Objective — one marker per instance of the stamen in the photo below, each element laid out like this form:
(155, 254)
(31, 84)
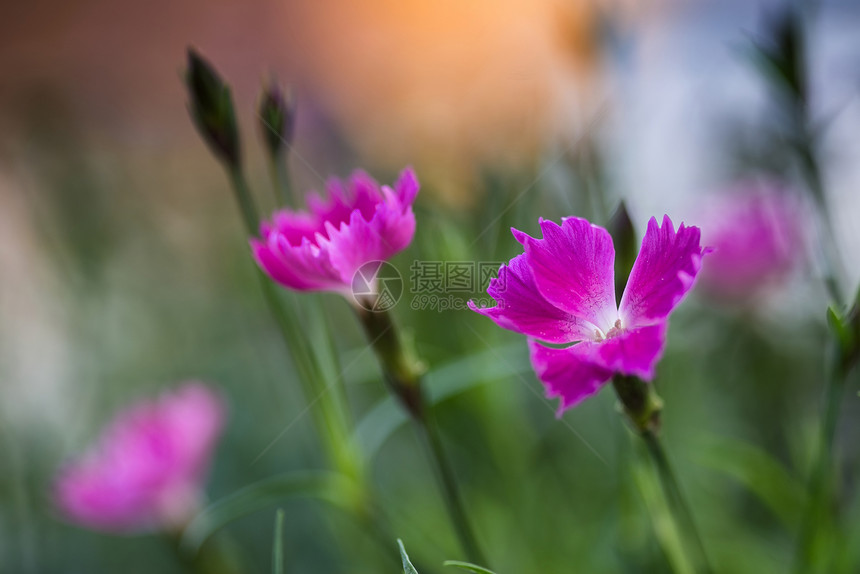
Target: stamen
(616, 330)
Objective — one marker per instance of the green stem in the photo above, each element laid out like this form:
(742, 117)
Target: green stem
(280, 173)
(677, 501)
(402, 373)
(245, 201)
(429, 435)
(828, 244)
(643, 408)
(818, 517)
(325, 401)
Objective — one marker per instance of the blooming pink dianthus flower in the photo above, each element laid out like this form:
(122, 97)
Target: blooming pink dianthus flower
(562, 291)
(147, 469)
(323, 248)
(757, 234)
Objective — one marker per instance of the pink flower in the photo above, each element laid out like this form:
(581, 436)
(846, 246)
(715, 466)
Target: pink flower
(147, 469)
(757, 236)
(561, 290)
(322, 249)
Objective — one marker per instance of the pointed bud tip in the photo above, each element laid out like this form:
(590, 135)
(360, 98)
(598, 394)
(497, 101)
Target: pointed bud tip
(211, 107)
(277, 114)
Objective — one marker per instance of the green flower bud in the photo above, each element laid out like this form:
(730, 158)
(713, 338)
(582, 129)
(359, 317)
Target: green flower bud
(277, 115)
(211, 108)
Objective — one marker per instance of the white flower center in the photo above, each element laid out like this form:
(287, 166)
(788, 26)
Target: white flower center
(616, 330)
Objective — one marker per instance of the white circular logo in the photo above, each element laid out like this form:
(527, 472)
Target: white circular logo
(377, 286)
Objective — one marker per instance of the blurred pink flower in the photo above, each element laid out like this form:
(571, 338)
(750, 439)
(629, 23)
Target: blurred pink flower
(322, 249)
(147, 469)
(757, 234)
(562, 290)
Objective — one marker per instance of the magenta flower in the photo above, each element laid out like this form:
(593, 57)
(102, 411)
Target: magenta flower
(146, 471)
(322, 249)
(757, 234)
(561, 290)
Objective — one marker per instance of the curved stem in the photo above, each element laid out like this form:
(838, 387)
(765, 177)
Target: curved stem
(676, 499)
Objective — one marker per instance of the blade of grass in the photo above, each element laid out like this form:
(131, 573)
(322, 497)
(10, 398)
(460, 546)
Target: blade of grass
(467, 566)
(408, 568)
(278, 544)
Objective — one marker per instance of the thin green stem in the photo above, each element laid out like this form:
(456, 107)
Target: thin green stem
(402, 373)
(818, 517)
(677, 501)
(281, 181)
(827, 238)
(245, 201)
(447, 479)
(643, 408)
(325, 401)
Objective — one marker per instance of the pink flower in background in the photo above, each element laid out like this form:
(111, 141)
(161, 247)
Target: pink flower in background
(562, 290)
(322, 249)
(757, 234)
(147, 469)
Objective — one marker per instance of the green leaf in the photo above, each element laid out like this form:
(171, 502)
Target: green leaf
(408, 568)
(442, 383)
(467, 566)
(763, 475)
(330, 487)
(278, 545)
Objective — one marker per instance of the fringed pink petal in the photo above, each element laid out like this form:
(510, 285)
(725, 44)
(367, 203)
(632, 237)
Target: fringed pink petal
(359, 223)
(521, 308)
(572, 374)
(663, 273)
(573, 267)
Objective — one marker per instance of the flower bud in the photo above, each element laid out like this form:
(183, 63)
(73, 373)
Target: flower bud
(781, 56)
(624, 238)
(211, 108)
(277, 114)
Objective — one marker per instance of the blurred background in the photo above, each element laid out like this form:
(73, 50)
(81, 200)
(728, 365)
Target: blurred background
(124, 267)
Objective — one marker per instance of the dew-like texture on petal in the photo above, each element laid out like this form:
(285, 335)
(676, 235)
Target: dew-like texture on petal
(573, 267)
(571, 374)
(663, 273)
(633, 352)
(323, 248)
(147, 469)
(521, 308)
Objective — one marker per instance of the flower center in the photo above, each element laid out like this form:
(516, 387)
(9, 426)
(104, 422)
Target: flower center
(616, 330)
